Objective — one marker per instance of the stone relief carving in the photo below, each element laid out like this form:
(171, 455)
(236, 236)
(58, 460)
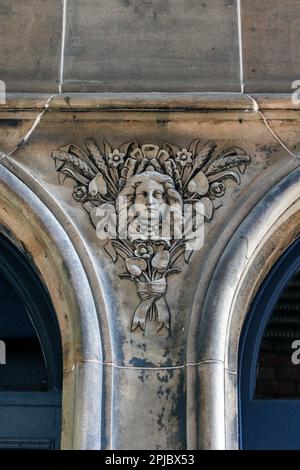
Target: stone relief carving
(146, 201)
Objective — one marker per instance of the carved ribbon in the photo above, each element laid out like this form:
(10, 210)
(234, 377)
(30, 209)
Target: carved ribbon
(151, 293)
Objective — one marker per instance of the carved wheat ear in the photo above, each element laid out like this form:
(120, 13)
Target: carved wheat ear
(202, 155)
(76, 162)
(101, 165)
(78, 152)
(227, 160)
(96, 155)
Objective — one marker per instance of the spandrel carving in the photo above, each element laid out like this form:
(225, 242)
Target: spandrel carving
(149, 205)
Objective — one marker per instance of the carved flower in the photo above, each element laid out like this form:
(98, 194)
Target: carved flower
(116, 158)
(184, 157)
(80, 193)
(217, 189)
(143, 250)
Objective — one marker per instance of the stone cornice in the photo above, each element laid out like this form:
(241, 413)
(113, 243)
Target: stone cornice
(148, 102)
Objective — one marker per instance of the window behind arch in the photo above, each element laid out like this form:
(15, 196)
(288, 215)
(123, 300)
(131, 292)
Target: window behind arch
(25, 368)
(268, 375)
(278, 370)
(31, 377)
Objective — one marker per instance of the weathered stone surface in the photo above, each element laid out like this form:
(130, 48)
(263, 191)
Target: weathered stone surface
(30, 39)
(270, 227)
(35, 230)
(161, 45)
(154, 414)
(270, 38)
(140, 367)
(210, 406)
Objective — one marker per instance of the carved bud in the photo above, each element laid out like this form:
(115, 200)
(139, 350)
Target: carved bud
(199, 184)
(97, 185)
(135, 266)
(161, 260)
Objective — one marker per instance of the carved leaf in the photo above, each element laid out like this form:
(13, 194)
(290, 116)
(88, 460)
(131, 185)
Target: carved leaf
(111, 251)
(67, 172)
(162, 156)
(173, 271)
(137, 154)
(135, 266)
(98, 185)
(125, 276)
(161, 260)
(171, 149)
(187, 255)
(124, 148)
(203, 154)
(194, 145)
(107, 148)
(208, 207)
(225, 174)
(74, 150)
(242, 168)
(207, 148)
(199, 184)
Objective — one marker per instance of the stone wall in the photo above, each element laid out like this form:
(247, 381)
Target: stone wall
(149, 45)
(171, 78)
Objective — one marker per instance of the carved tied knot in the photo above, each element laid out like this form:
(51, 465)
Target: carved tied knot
(152, 295)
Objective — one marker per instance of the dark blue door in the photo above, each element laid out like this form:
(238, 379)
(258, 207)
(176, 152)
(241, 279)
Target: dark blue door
(31, 357)
(269, 375)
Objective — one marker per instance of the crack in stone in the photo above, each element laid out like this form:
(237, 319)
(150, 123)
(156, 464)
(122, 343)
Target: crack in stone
(181, 366)
(25, 139)
(257, 109)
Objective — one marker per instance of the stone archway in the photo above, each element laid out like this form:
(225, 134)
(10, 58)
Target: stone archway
(267, 231)
(36, 231)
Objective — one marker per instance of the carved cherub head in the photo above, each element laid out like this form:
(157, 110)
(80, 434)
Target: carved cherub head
(153, 191)
(153, 196)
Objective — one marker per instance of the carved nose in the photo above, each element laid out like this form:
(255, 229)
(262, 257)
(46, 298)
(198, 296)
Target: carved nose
(149, 200)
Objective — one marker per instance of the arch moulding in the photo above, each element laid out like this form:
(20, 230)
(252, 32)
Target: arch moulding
(32, 227)
(265, 233)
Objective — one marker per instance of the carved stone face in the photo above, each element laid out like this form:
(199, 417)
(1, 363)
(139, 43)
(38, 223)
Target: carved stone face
(150, 199)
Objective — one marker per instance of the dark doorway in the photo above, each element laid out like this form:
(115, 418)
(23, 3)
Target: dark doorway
(31, 357)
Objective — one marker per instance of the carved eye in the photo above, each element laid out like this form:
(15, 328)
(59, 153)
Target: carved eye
(157, 194)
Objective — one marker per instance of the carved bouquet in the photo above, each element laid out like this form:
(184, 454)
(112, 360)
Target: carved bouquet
(136, 197)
